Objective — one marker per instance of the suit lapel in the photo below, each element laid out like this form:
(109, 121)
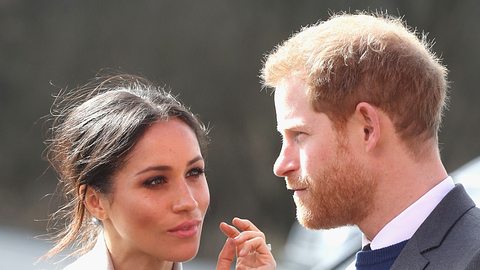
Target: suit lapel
(432, 232)
(410, 258)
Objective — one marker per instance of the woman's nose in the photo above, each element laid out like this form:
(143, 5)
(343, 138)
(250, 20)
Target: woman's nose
(185, 200)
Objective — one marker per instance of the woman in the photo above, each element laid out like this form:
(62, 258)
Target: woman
(130, 159)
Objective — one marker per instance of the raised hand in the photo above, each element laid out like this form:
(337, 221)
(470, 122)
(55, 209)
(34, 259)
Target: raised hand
(247, 243)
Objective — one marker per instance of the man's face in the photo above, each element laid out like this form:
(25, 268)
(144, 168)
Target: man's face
(331, 187)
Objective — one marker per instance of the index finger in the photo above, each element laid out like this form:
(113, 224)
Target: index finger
(229, 230)
(244, 224)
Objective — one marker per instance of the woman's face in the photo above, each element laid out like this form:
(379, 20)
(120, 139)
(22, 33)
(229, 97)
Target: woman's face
(159, 196)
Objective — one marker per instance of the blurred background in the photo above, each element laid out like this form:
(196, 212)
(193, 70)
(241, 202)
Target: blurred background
(210, 53)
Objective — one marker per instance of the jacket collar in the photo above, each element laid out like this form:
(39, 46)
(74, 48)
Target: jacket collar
(455, 204)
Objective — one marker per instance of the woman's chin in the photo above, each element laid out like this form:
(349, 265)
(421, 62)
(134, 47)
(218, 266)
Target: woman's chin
(185, 254)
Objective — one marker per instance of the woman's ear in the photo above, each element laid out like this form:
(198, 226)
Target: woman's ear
(96, 203)
(369, 118)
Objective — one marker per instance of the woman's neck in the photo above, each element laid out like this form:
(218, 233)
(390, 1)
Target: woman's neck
(141, 264)
(124, 258)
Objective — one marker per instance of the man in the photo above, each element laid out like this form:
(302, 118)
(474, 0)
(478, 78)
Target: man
(359, 100)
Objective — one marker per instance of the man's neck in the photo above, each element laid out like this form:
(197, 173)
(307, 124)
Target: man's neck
(402, 182)
(404, 225)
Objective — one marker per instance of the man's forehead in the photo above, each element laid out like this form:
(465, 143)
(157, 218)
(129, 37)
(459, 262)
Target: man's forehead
(292, 113)
(290, 98)
(289, 87)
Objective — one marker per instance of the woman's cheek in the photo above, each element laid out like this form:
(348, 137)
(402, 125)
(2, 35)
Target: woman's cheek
(205, 193)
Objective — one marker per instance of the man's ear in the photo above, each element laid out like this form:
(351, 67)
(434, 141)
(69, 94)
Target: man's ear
(95, 202)
(369, 119)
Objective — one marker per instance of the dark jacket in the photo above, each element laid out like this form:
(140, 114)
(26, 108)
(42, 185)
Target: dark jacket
(448, 239)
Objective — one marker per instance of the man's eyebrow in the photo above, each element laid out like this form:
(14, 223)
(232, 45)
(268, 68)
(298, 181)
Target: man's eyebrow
(292, 125)
(166, 167)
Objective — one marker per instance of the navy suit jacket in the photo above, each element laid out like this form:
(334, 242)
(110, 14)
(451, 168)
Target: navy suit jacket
(448, 239)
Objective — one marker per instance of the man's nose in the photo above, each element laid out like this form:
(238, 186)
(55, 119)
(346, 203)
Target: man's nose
(286, 162)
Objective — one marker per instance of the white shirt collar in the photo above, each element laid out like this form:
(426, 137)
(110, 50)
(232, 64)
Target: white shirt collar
(403, 226)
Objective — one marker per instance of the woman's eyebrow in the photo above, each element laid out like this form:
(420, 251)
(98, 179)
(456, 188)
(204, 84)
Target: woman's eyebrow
(197, 158)
(166, 167)
(155, 168)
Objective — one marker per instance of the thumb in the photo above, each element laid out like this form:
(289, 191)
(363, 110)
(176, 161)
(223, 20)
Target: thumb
(227, 255)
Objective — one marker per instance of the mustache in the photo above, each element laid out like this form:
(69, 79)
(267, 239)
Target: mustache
(293, 181)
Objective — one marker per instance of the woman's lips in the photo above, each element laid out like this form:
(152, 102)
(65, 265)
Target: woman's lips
(186, 229)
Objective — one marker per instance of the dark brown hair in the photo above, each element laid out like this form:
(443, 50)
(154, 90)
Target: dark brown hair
(94, 129)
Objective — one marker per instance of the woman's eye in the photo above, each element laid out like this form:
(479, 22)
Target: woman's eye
(155, 181)
(195, 172)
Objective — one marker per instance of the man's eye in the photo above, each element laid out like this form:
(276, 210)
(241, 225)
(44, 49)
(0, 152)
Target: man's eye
(195, 172)
(298, 136)
(155, 181)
